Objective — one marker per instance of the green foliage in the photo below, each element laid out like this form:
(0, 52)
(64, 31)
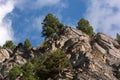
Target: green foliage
(28, 72)
(118, 38)
(84, 26)
(15, 71)
(47, 65)
(27, 44)
(9, 44)
(51, 64)
(50, 25)
(45, 45)
(20, 45)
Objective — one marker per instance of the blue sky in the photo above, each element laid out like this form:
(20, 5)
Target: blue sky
(21, 19)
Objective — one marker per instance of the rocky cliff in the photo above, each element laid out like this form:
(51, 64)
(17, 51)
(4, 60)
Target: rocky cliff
(96, 58)
(93, 59)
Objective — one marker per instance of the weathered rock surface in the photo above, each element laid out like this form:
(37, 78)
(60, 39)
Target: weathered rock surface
(19, 57)
(96, 59)
(4, 54)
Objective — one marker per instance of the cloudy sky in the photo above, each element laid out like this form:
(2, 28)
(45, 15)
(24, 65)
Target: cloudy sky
(21, 19)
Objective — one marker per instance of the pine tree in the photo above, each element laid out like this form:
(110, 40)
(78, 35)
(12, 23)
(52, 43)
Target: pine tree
(27, 44)
(9, 44)
(118, 38)
(50, 25)
(84, 26)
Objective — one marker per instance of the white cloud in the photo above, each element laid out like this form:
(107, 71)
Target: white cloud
(57, 5)
(7, 6)
(36, 4)
(104, 16)
(41, 3)
(6, 32)
(37, 23)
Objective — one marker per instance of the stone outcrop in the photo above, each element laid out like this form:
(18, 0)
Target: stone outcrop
(9, 58)
(93, 59)
(4, 54)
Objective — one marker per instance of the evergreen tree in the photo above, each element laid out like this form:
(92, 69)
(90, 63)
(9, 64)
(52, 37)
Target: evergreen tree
(27, 44)
(9, 44)
(20, 45)
(118, 38)
(53, 63)
(42, 67)
(84, 26)
(14, 72)
(50, 25)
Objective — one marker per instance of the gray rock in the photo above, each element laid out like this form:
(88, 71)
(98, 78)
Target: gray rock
(20, 60)
(4, 54)
(20, 57)
(92, 60)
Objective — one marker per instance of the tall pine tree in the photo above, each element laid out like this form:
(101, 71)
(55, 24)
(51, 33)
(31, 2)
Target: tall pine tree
(10, 45)
(84, 26)
(118, 38)
(27, 44)
(50, 25)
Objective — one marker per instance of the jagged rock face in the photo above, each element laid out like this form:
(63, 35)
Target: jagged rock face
(106, 55)
(19, 57)
(4, 54)
(71, 38)
(110, 48)
(92, 59)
